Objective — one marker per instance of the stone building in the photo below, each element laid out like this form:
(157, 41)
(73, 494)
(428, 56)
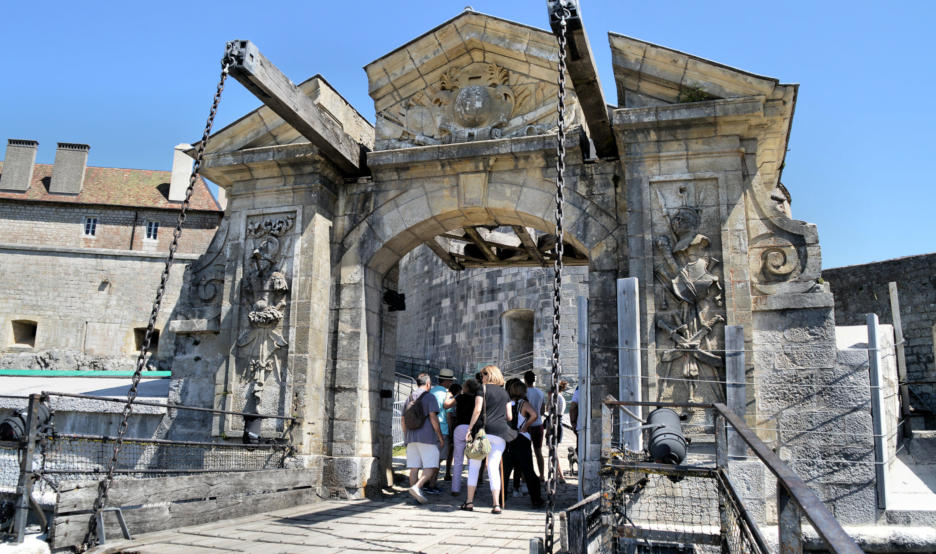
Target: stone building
(863, 289)
(678, 185)
(81, 255)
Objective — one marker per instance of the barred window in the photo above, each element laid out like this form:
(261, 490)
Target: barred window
(90, 226)
(152, 229)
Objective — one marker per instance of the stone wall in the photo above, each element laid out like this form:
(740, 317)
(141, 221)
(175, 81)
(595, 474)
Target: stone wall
(117, 228)
(87, 295)
(85, 303)
(455, 318)
(862, 289)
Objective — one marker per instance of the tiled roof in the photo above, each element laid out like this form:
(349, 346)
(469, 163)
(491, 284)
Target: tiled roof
(111, 186)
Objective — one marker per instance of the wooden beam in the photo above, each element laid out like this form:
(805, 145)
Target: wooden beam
(471, 263)
(527, 241)
(253, 70)
(584, 75)
(444, 254)
(481, 243)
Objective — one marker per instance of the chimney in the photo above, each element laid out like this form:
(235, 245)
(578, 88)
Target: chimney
(71, 160)
(181, 172)
(18, 165)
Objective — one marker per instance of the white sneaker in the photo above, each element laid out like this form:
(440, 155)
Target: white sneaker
(417, 494)
(516, 494)
(523, 489)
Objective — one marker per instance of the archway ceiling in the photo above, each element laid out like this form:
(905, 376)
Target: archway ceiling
(501, 246)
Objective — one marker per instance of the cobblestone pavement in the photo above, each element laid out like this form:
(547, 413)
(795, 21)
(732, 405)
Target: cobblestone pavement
(393, 523)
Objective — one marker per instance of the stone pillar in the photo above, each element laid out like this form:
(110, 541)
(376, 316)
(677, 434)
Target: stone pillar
(254, 329)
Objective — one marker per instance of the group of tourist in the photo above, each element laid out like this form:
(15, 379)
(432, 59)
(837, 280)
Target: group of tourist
(440, 421)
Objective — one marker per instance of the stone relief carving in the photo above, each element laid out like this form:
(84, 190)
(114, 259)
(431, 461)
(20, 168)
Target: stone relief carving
(477, 102)
(265, 290)
(200, 310)
(689, 304)
(784, 252)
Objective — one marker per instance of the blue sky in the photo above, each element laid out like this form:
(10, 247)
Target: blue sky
(132, 79)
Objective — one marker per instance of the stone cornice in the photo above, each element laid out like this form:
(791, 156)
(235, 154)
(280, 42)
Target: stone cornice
(281, 161)
(508, 147)
(94, 251)
(751, 107)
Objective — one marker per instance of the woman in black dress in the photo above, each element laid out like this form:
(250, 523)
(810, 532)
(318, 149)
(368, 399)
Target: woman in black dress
(519, 454)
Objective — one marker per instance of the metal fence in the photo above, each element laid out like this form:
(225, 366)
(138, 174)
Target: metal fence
(33, 467)
(395, 424)
(713, 501)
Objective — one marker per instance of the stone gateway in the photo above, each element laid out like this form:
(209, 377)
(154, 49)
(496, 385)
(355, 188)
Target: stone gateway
(678, 185)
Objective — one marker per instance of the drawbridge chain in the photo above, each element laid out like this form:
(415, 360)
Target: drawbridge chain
(563, 14)
(100, 502)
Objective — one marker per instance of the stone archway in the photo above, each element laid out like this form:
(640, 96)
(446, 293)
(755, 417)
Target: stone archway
(424, 208)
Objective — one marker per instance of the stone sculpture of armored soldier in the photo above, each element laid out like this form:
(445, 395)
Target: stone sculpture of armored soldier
(693, 295)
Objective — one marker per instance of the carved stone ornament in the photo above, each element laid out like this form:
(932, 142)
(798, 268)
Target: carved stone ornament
(784, 252)
(477, 102)
(199, 310)
(265, 289)
(689, 305)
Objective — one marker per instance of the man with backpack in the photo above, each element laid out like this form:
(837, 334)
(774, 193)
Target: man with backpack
(423, 436)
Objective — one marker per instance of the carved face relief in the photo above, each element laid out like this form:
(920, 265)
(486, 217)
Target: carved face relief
(684, 221)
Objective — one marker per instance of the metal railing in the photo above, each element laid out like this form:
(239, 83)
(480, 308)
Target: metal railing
(645, 505)
(397, 430)
(43, 458)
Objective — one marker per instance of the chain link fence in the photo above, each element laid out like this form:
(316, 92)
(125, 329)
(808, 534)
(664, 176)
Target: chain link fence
(40, 458)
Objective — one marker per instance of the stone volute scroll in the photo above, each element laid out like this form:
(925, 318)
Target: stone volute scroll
(199, 310)
(264, 299)
(689, 301)
(784, 252)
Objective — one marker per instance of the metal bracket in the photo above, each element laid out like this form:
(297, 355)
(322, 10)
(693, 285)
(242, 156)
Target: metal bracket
(102, 537)
(573, 21)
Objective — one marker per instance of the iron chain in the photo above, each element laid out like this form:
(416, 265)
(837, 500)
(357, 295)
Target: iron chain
(104, 486)
(556, 418)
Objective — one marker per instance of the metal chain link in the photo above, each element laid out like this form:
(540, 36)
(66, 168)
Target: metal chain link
(556, 418)
(104, 486)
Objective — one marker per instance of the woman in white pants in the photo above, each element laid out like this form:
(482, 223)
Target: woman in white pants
(464, 408)
(495, 402)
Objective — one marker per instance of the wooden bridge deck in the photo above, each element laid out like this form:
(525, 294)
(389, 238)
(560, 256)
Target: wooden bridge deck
(392, 523)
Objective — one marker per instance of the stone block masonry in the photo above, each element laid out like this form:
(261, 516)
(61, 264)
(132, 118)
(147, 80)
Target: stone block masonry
(459, 320)
(29, 223)
(863, 289)
(85, 306)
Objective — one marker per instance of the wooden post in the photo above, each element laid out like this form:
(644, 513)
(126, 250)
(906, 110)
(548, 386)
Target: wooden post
(735, 386)
(901, 359)
(584, 376)
(24, 486)
(629, 382)
(789, 517)
(877, 410)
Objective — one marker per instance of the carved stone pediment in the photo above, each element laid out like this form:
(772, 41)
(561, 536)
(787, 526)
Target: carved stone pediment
(473, 78)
